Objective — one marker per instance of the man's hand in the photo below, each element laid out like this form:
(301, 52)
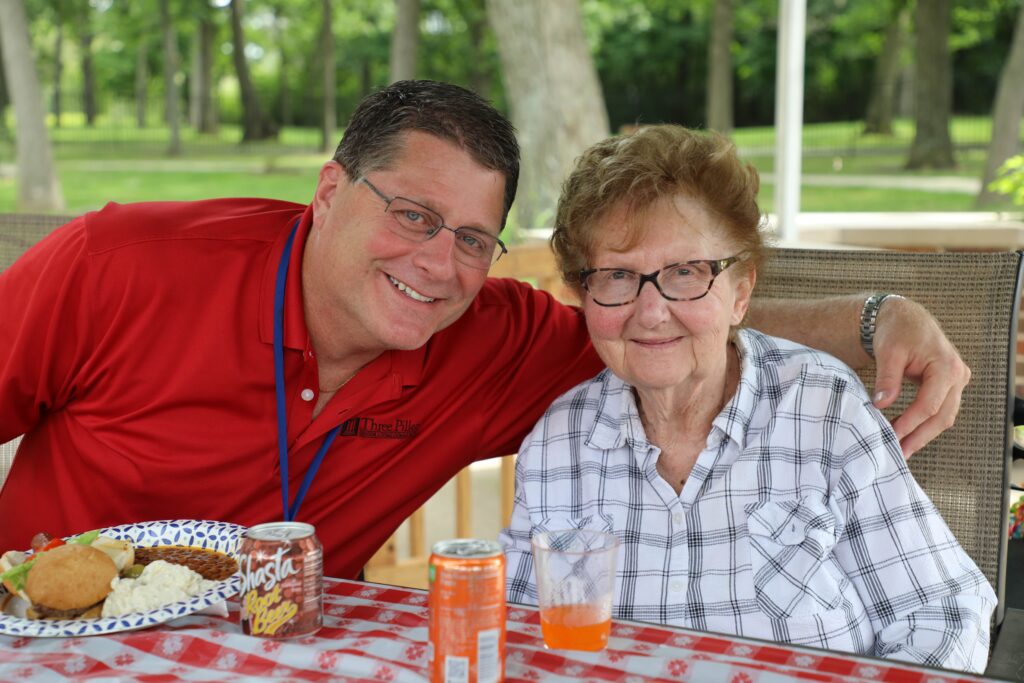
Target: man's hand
(909, 343)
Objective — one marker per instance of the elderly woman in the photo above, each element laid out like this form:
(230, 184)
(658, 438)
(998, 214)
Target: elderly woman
(753, 486)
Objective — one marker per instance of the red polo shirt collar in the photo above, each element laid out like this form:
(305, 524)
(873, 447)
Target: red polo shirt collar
(381, 380)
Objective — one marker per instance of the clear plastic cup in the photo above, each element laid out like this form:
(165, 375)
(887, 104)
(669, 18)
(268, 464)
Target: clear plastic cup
(575, 570)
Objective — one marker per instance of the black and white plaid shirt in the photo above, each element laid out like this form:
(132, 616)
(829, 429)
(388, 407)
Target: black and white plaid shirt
(800, 521)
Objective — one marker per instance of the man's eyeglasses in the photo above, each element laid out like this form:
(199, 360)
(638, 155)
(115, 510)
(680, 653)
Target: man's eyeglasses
(677, 282)
(417, 223)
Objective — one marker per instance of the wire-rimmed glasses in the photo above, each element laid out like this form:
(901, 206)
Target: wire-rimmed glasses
(417, 223)
(684, 281)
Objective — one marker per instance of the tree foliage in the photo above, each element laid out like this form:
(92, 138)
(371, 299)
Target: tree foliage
(1010, 181)
(651, 55)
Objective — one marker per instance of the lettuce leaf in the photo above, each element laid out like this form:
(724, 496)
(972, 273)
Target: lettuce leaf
(86, 538)
(16, 575)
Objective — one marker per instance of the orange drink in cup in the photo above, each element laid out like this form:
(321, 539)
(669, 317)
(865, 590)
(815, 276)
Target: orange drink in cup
(575, 570)
(575, 627)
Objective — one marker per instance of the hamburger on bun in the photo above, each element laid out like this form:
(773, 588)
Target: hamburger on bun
(69, 582)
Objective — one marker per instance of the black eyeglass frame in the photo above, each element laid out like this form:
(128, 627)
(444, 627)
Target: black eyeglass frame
(442, 225)
(716, 265)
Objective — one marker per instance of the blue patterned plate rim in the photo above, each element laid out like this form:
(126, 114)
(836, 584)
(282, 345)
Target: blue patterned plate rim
(222, 536)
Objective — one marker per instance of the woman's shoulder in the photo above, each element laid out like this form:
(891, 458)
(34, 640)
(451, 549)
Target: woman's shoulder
(589, 396)
(783, 362)
(575, 412)
(814, 388)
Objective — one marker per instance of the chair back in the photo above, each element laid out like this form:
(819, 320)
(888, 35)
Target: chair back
(975, 298)
(18, 232)
(534, 263)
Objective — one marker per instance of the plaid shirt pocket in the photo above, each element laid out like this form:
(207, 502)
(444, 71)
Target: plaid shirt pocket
(791, 543)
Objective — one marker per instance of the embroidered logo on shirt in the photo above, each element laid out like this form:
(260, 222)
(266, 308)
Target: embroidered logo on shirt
(371, 428)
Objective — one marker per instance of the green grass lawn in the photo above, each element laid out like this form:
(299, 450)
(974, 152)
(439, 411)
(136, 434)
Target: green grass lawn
(90, 189)
(970, 164)
(97, 166)
(857, 198)
(965, 130)
(86, 189)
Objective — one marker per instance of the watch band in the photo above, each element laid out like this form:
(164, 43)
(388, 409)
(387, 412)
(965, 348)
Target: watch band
(868, 318)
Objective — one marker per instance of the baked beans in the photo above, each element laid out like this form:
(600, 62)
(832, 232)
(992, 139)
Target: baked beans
(210, 564)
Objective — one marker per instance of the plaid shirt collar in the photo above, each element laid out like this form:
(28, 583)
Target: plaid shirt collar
(618, 418)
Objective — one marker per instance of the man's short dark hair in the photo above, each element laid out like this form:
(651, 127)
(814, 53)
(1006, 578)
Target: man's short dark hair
(373, 136)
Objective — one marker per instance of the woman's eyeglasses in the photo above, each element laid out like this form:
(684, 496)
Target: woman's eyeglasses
(677, 282)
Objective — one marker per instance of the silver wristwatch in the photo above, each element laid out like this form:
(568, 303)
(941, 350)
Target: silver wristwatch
(868, 316)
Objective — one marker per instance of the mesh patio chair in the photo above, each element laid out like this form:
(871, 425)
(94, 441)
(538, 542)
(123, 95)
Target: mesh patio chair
(18, 232)
(975, 297)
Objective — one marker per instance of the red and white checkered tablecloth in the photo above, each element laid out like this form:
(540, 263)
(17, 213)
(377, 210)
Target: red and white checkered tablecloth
(374, 632)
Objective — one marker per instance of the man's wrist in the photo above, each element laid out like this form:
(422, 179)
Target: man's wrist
(869, 319)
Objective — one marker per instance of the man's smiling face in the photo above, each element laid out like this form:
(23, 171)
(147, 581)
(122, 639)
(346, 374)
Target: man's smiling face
(371, 289)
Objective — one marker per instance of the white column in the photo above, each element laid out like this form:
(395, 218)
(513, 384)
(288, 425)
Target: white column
(789, 110)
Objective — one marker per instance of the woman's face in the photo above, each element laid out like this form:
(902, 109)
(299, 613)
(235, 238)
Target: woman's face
(653, 343)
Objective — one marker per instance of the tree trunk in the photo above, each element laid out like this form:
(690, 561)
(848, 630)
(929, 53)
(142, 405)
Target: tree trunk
(254, 124)
(905, 86)
(141, 81)
(38, 186)
(719, 104)
(405, 40)
(171, 95)
(206, 112)
(85, 36)
(58, 71)
(933, 88)
(328, 128)
(1006, 114)
(881, 102)
(365, 78)
(4, 97)
(475, 16)
(194, 82)
(284, 90)
(284, 96)
(554, 95)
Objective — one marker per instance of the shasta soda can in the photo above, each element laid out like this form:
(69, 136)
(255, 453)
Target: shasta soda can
(282, 566)
(467, 611)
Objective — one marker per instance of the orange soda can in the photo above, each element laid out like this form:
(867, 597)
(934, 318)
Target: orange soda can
(467, 611)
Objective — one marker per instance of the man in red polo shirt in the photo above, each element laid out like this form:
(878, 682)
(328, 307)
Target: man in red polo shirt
(251, 360)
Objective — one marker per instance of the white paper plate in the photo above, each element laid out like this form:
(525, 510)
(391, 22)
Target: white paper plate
(222, 536)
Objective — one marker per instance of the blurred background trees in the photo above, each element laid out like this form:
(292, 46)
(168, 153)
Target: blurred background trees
(553, 95)
(38, 186)
(1007, 112)
(290, 72)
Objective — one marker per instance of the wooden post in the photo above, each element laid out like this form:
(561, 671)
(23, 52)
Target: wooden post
(417, 534)
(508, 488)
(463, 504)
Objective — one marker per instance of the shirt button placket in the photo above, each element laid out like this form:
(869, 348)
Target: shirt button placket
(678, 551)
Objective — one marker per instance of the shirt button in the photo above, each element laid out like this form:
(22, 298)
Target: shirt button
(677, 518)
(676, 586)
(307, 394)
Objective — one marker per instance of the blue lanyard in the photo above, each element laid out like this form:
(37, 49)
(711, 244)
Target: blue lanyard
(292, 512)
